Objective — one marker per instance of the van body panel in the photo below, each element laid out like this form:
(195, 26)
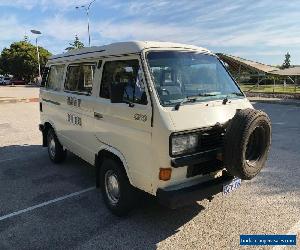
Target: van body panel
(199, 115)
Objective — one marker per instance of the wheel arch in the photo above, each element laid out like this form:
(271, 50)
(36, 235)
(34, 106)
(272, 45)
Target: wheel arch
(112, 153)
(46, 126)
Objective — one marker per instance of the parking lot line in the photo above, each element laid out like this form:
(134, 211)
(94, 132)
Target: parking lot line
(45, 203)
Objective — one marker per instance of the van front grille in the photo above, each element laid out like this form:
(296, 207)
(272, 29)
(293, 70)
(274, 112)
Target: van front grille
(211, 138)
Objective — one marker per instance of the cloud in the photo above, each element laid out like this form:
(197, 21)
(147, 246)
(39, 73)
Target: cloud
(9, 34)
(62, 5)
(265, 26)
(62, 28)
(138, 30)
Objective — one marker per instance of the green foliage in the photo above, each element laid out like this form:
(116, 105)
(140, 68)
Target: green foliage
(287, 61)
(20, 60)
(77, 44)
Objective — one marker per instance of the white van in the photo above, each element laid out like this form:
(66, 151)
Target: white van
(160, 117)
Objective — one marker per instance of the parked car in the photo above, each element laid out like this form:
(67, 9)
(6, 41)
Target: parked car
(16, 81)
(5, 80)
(164, 118)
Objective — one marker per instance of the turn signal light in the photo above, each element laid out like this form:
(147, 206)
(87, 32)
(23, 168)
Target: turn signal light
(165, 174)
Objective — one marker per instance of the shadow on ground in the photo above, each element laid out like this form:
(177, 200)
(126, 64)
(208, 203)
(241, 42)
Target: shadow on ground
(27, 178)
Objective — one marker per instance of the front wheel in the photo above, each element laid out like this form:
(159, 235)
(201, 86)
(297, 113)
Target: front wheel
(118, 194)
(56, 152)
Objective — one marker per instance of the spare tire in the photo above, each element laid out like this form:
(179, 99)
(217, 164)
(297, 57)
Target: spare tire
(246, 143)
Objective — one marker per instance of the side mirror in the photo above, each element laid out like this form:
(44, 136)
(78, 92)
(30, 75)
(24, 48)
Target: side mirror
(117, 92)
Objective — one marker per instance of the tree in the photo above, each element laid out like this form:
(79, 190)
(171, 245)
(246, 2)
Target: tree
(287, 61)
(20, 60)
(77, 44)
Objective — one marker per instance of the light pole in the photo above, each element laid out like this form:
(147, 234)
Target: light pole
(37, 32)
(87, 10)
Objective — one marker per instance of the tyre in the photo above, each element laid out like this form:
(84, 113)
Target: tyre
(246, 143)
(118, 194)
(56, 151)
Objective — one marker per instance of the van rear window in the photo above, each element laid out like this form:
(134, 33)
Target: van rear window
(55, 77)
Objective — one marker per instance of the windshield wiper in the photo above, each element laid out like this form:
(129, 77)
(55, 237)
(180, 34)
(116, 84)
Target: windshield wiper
(186, 100)
(194, 98)
(225, 100)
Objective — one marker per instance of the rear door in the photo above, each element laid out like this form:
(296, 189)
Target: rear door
(52, 99)
(79, 108)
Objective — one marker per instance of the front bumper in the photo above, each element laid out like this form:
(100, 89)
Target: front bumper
(187, 195)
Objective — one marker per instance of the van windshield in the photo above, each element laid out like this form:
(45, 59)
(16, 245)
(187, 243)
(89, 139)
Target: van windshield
(178, 76)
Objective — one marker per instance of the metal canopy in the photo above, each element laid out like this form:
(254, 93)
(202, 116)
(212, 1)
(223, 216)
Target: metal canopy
(235, 61)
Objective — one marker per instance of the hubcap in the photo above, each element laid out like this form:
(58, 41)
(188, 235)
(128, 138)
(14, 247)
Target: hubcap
(52, 147)
(112, 187)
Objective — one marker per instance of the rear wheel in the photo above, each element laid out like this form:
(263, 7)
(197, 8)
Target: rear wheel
(56, 152)
(118, 194)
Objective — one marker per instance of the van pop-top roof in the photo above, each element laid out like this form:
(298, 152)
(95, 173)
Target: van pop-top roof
(121, 48)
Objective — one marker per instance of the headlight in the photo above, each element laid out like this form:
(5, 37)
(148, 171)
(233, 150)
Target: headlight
(181, 144)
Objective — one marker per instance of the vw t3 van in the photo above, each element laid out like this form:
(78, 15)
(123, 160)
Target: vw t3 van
(164, 118)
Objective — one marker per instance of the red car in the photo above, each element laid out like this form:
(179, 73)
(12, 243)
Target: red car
(17, 82)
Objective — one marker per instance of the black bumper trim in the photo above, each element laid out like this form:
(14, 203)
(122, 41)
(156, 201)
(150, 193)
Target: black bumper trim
(196, 158)
(187, 195)
(41, 127)
(50, 101)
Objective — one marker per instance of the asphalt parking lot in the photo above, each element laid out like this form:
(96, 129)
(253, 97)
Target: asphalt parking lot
(268, 204)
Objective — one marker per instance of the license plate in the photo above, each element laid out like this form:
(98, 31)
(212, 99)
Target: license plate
(233, 185)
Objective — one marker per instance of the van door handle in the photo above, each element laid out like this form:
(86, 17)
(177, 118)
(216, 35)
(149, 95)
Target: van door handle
(98, 116)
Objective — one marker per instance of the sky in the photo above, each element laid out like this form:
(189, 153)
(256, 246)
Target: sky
(262, 30)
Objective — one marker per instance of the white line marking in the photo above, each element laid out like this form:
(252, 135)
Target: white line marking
(45, 203)
(295, 230)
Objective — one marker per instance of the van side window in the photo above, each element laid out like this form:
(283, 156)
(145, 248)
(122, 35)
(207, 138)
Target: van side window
(55, 77)
(128, 75)
(80, 78)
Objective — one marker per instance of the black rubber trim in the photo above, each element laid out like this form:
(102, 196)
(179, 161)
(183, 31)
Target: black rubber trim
(79, 54)
(184, 196)
(50, 101)
(147, 83)
(97, 170)
(41, 127)
(195, 158)
(77, 92)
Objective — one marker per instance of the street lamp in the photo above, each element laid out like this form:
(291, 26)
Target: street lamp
(37, 32)
(87, 10)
